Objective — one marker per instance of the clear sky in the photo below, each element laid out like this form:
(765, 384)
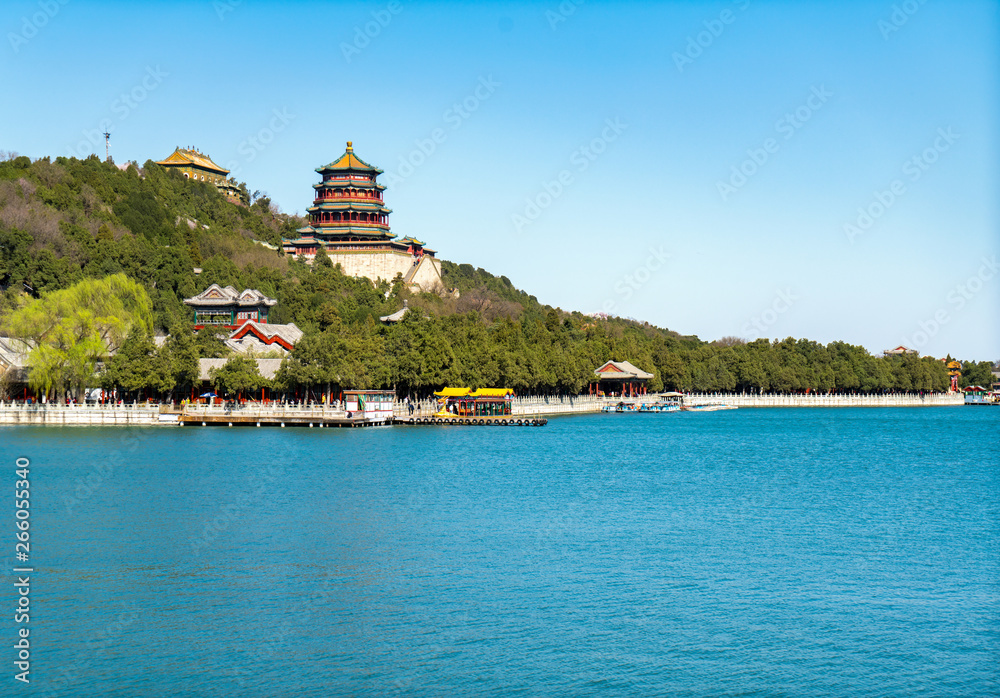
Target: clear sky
(827, 170)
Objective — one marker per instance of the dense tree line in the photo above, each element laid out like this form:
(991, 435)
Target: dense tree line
(71, 220)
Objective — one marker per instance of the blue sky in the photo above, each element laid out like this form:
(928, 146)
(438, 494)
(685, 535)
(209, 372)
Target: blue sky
(758, 169)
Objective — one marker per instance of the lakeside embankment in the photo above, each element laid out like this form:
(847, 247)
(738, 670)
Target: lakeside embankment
(582, 404)
(79, 415)
(832, 400)
(153, 415)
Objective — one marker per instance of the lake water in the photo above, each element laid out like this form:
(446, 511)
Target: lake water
(799, 552)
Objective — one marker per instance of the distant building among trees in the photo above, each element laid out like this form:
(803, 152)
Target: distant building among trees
(225, 307)
(199, 167)
(245, 313)
(621, 378)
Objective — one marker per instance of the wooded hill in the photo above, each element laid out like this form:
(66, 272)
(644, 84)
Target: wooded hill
(67, 220)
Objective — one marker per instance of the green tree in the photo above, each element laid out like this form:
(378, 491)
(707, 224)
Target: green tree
(210, 343)
(182, 352)
(420, 355)
(74, 328)
(239, 374)
(980, 374)
(322, 258)
(138, 365)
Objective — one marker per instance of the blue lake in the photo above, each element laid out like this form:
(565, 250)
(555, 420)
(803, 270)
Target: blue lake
(799, 552)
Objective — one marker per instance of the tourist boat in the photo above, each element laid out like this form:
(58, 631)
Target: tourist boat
(659, 407)
(666, 402)
(621, 407)
(713, 407)
(475, 407)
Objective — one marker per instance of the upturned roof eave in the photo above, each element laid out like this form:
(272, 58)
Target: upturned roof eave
(183, 158)
(330, 184)
(220, 302)
(349, 207)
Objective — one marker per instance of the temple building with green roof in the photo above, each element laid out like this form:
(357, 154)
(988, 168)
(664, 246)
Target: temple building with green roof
(349, 221)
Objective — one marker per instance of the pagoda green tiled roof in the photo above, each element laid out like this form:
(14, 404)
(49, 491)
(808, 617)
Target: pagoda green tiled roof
(349, 161)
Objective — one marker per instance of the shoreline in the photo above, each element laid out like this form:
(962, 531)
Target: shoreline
(165, 415)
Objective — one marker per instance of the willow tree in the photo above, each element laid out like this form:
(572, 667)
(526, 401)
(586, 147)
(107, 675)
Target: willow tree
(75, 328)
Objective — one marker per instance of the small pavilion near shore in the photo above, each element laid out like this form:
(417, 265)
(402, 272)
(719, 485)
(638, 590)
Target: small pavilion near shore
(620, 379)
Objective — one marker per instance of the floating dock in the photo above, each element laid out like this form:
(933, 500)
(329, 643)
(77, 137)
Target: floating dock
(238, 420)
(276, 417)
(499, 421)
(276, 421)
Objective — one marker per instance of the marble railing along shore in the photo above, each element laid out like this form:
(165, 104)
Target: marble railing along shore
(76, 415)
(825, 400)
(143, 414)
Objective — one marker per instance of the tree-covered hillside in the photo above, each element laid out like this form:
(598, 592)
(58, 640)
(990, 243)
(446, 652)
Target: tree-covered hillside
(67, 220)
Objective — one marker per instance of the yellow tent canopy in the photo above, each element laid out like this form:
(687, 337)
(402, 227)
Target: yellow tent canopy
(492, 392)
(453, 392)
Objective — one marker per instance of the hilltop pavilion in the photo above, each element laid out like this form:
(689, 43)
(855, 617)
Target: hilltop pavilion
(197, 166)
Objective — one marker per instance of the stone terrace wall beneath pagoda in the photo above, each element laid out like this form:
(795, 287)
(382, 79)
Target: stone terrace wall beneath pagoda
(428, 275)
(386, 264)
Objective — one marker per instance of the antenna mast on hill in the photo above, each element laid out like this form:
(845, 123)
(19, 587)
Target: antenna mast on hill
(107, 146)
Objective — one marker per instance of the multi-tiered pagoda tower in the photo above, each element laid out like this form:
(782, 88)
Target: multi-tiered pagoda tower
(349, 221)
(348, 204)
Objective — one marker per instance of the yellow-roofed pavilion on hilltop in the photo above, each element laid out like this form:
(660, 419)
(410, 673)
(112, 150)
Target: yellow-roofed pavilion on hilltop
(199, 167)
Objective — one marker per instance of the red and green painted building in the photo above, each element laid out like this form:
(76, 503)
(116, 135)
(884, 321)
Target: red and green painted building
(226, 307)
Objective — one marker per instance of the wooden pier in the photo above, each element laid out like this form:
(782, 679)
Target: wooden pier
(275, 416)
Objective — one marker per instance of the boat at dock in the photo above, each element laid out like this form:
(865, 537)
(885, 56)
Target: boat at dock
(664, 402)
(713, 407)
(659, 407)
(481, 407)
(977, 395)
